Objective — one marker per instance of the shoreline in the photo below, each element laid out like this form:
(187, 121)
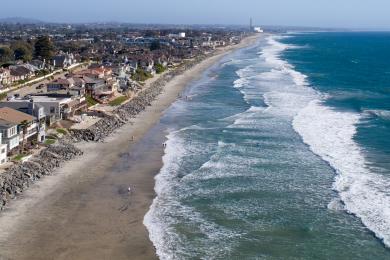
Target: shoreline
(84, 211)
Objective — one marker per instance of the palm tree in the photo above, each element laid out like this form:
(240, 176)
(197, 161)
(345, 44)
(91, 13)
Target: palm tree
(24, 124)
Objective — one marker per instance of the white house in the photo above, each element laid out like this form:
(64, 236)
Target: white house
(9, 133)
(33, 129)
(64, 60)
(3, 151)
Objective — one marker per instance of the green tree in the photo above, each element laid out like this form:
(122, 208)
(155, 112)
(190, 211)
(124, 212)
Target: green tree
(159, 68)
(96, 39)
(5, 54)
(44, 48)
(151, 33)
(22, 51)
(156, 45)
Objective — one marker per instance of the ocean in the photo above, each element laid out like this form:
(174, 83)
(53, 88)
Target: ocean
(280, 151)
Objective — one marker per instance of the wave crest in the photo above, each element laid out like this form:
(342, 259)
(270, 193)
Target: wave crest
(330, 134)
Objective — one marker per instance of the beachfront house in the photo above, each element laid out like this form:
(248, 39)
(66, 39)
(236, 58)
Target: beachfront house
(133, 65)
(29, 128)
(93, 85)
(3, 151)
(9, 134)
(96, 71)
(26, 106)
(59, 106)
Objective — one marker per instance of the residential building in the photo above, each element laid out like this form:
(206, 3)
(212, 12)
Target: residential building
(64, 60)
(19, 72)
(29, 128)
(96, 72)
(26, 106)
(60, 106)
(9, 133)
(41, 65)
(3, 151)
(59, 84)
(5, 77)
(74, 86)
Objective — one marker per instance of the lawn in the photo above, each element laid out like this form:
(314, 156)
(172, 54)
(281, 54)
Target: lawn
(118, 101)
(19, 157)
(62, 131)
(90, 101)
(49, 141)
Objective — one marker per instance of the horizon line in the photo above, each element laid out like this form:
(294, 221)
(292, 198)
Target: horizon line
(37, 21)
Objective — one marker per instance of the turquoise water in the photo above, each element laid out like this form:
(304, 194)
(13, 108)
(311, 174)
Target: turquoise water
(274, 156)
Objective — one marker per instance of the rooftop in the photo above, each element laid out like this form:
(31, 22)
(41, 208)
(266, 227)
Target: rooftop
(14, 116)
(6, 124)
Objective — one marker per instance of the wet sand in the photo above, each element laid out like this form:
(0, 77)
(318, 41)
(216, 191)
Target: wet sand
(84, 210)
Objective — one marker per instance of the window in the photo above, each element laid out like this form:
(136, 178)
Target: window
(52, 110)
(12, 131)
(3, 150)
(3, 161)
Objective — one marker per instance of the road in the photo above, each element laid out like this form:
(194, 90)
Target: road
(23, 91)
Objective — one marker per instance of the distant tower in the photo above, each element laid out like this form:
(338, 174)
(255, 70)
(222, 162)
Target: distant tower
(251, 24)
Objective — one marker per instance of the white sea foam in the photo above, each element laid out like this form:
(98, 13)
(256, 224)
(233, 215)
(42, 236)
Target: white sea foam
(287, 103)
(336, 205)
(249, 118)
(192, 127)
(330, 135)
(241, 82)
(245, 72)
(271, 55)
(158, 229)
(384, 114)
(159, 220)
(238, 116)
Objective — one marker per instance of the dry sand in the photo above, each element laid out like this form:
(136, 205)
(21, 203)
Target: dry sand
(84, 210)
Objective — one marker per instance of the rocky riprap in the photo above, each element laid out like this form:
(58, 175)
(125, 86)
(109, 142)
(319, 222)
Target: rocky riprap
(124, 113)
(19, 177)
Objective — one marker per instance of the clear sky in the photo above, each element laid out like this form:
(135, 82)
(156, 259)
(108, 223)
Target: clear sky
(320, 13)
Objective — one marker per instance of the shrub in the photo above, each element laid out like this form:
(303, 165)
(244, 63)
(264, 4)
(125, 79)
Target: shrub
(160, 68)
(62, 131)
(3, 96)
(141, 75)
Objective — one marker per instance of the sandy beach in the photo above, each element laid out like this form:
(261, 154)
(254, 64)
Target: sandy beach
(84, 211)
